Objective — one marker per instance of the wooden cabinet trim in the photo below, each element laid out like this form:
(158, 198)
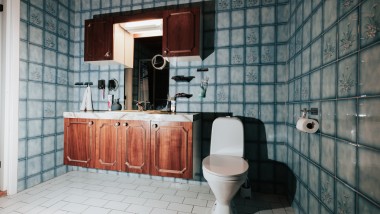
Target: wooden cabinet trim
(185, 160)
(99, 142)
(88, 143)
(144, 150)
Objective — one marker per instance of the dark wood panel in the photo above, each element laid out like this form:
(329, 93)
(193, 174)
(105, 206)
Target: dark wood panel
(108, 145)
(171, 152)
(181, 32)
(79, 137)
(98, 43)
(135, 146)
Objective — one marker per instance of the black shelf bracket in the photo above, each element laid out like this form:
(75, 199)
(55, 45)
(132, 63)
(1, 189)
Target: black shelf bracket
(1, 8)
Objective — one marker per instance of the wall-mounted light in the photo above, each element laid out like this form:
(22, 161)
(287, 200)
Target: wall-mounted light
(152, 27)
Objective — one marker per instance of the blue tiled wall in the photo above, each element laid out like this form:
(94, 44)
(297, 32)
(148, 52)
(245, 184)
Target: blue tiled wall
(334, 65)
(270, 59)
(44, 89)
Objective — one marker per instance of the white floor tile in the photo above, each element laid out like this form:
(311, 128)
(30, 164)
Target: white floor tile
(166, 191)
(86, 192)
(200, 189)
(163, 211)
(160, 184)
(197, 202)
(172, 198)
(130, 192)
(115, 205)
(135, 200)
(139, 209)
(96, 210)
(75, 198)
(114, 197)
(157, 203)
(180, 207)
(54, 208)
(95, 202)
(201, 210)
(149, 195)
(113, 190)
(146, 188)
(206, 196)
(75, 208)
(187, 194)
(94, 194)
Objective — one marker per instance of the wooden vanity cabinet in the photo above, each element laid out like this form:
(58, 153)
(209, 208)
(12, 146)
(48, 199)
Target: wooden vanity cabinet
(135, 146)
(79, 140)
(108, 145)
(172, 149)
(182, 33)
(138, 146)
(122, 145)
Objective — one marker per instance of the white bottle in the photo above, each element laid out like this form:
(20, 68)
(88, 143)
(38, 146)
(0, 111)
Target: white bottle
(173, 104)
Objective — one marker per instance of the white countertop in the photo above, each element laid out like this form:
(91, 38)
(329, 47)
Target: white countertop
(134, 115)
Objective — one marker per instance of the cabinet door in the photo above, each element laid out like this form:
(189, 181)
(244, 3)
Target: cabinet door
(135, 146)
(108, 145)
(181, 32)
(171, 149)
(79, 139)
(98, 43)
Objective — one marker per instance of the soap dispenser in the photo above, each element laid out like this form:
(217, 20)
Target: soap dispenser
(116, 106)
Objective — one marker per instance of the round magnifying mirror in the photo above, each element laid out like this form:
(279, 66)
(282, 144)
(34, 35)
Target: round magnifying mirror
(158, 62)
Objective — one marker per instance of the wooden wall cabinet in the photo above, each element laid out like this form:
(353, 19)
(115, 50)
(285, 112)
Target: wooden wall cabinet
(182, 33)
(79, 140)
(107, 43)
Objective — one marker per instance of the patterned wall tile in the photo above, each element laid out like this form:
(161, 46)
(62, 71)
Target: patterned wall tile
(348, 34)
(369, 172)
(347, 78)
(370, 22)
(366, 207)
(368, 122)
(327, 190)
(346, 162)
(369, 67)
(329, 81)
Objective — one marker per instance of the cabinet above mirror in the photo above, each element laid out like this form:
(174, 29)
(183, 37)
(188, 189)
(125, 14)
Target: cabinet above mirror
(109, 38)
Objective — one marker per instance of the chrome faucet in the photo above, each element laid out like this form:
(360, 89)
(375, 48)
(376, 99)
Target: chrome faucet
(141, 105)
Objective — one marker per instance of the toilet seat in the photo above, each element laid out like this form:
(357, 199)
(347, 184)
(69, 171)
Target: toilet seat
(225, 166)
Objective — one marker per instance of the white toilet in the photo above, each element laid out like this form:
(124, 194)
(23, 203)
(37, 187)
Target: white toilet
(225, 169)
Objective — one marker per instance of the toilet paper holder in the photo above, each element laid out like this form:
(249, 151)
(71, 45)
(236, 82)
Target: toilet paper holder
(312, 111)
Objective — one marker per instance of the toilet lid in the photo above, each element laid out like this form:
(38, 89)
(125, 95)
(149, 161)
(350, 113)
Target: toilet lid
(225, 165)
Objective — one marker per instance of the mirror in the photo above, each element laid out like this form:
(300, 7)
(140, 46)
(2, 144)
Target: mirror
(144, 82)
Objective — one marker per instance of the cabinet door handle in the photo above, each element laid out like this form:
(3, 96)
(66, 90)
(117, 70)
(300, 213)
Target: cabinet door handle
(91, 123)
(107, 54)
(117, 124)
(165, 51)
(89, 25)
(125, 124)
(154, 126)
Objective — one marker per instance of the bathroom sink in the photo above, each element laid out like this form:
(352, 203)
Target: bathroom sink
(146, 112)
(157, 112)
(134, 111)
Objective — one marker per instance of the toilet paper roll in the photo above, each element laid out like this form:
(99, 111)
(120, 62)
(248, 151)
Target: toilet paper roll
(307, 125)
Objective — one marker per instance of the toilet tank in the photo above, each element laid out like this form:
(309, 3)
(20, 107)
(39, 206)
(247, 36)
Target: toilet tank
(227, 137)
